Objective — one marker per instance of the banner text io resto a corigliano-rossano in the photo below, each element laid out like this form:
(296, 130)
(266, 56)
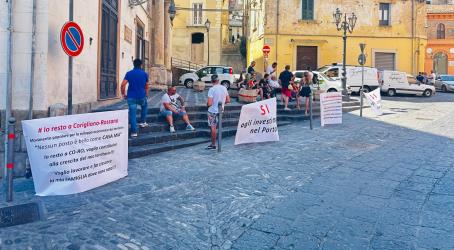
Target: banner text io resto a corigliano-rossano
(76, 153)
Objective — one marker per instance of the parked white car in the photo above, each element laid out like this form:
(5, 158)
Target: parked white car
(324, 83)
(354, 76)
(225, 74)
(395, 82)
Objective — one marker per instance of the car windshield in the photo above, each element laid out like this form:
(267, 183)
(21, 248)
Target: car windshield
(447, 78)
(321, 75)
(323, 69)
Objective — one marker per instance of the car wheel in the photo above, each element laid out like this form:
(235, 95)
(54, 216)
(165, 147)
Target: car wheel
(189, 83)
(444, 89)
(331, 90)
(427, 93)
(226, 84)
(391, 92)
(366, 89)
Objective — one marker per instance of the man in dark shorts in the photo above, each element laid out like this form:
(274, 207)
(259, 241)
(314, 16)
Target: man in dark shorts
(285, 78)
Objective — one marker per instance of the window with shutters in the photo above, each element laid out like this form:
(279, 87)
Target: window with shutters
(307, 7)
(197, 14)
(440, 31)
(385, 14)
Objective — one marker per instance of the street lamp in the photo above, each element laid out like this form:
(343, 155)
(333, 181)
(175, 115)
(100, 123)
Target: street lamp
(207, 25)
(172, 11)
(347, 24)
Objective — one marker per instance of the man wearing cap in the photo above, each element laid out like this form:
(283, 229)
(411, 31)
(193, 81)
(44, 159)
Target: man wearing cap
(217, 94)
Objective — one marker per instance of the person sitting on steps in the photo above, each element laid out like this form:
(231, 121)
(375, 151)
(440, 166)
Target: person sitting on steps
(172, 104)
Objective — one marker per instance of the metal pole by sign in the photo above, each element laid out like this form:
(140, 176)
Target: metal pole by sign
(220, 126)
(10, 159)
(70, 66)
(362, 61)
(310, 110)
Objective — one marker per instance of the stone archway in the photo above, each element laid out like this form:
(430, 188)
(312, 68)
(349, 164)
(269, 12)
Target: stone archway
(197, 47)
(440, 63)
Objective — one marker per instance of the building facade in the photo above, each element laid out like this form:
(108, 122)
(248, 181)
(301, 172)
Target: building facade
(302, 33)
(440, 44)
(115, 33)
(192, 41)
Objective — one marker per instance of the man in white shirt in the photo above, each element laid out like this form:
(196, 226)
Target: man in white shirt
(173, 104)
(270, 70)
(217, 94)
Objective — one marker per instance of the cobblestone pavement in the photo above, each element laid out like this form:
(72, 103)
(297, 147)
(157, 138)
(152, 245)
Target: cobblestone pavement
(371, 183)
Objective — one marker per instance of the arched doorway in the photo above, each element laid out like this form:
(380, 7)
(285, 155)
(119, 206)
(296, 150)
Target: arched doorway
(440, 63)
(197, 47)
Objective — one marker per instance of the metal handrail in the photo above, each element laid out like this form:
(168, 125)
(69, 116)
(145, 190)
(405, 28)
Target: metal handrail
(185, 64)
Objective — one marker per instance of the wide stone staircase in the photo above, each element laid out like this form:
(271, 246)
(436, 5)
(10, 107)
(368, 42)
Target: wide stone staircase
(156, 138)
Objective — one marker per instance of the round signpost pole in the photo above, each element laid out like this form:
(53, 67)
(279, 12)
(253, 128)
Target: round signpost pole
(362, 61)
(70, 66)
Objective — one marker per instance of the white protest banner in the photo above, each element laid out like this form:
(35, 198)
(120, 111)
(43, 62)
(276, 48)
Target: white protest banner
(331, 108)
(76, 153)
(374, 100)
(258, 123)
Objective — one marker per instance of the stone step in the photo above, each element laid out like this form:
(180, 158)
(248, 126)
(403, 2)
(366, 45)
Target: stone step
(179, 125)
(152, 144)
(140, 151)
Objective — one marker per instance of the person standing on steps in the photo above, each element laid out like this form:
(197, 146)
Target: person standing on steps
(217, 94)
(137, 81)
(251, 69)
(172, 104)
(285, 79)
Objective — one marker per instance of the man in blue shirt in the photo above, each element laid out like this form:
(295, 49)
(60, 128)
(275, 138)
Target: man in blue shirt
(137, 81)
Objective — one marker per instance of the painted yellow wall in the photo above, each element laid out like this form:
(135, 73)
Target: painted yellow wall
(183, 29)
(286, 31)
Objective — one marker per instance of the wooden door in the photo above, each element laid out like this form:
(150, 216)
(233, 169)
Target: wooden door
(197, 53)
(108, 87)
(306, 57)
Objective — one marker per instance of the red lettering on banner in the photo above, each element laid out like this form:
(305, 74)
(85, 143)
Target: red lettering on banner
(264, 111)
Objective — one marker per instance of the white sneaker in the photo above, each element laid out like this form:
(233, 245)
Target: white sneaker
(190, 127)
(287, 109)
(172, 129)
(133, 135)
(143, 125)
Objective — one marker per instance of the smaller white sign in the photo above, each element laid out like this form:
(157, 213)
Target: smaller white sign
(374, 100)
(258, 123)
(331, 108)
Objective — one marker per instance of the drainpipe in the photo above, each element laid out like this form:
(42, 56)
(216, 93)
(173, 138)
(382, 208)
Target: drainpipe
(32, 64)
(277, 28)
(9, 76)
(413, 36)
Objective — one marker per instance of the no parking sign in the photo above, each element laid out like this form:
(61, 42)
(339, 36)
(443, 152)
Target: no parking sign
(72, 39)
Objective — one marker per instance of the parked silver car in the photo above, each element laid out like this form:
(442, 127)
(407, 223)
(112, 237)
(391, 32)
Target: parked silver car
(445, 83)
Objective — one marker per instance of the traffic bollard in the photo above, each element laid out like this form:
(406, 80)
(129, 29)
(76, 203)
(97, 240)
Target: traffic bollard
(220, 110)
(310, 111)
(10, 159)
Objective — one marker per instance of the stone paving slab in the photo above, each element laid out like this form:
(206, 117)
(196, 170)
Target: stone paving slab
(329, 188)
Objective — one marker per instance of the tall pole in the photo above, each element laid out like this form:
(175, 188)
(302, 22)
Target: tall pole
(70, 66)
(9, 81)
(344, 62)
(208, 35)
